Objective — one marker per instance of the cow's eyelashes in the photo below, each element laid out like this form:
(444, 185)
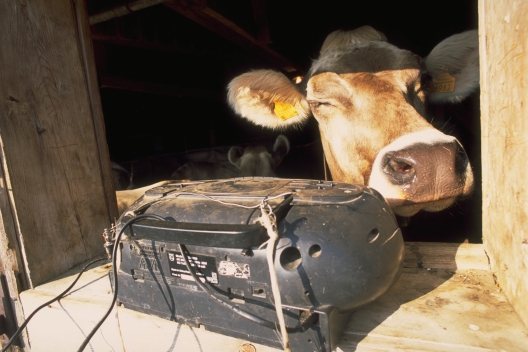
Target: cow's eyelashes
(317, 104)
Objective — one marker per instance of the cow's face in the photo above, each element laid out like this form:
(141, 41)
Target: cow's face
(258, 159)
(369, 100)
(358, 115)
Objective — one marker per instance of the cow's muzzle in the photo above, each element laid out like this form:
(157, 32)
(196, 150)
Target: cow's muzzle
(428, 174)
(421, 164)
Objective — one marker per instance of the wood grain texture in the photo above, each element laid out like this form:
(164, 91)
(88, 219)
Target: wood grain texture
(453, 256)
(11, 265)
(92, 85)
(426, 310)
(52, 154)
(504, 109)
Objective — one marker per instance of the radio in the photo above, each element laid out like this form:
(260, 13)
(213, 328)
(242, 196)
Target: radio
(195, 253)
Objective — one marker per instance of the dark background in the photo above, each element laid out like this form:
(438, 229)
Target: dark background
(172, 73)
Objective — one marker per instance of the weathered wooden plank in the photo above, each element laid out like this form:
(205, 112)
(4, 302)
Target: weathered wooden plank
(125, 331)
(453, 256)
(50, 141)
(504, 109)
(11, 267)
(92, 86)
(122, 9)
(439, 310)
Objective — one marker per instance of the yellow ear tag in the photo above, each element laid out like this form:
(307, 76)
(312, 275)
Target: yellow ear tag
(284, 111)
(443, 83)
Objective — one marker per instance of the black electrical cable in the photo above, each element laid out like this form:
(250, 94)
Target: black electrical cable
(243, 313)
(114, 270)
(19, 330)
(183, 249)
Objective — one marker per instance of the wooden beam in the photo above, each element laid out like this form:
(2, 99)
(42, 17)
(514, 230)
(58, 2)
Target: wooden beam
(96, 107)
(504, 114)
(452, 256)
(52, 137)
(122, 9)
(199, 12)
(13, 273)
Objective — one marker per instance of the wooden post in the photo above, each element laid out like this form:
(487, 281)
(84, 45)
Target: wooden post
(57, 176)
(504, 108)
(12, 270)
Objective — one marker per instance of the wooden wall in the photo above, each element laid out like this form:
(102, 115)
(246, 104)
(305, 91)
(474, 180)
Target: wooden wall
(504, 124)
(57, 186)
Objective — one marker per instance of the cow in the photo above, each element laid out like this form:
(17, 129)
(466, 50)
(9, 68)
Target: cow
(122, 178)
(369, 98)
(250, 160)
(205, 170)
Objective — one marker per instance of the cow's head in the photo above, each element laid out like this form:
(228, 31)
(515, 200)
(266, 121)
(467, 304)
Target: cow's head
(369, 98)
(257, 159)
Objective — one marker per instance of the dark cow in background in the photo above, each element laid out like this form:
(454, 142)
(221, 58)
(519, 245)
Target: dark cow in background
(257, 159)
(250, 160)
(369, 99)
(205, 170)
(122, 178)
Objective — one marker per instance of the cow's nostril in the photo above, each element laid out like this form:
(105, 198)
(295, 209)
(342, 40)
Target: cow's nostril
(399, 166)
(399, 170)
(461, 161)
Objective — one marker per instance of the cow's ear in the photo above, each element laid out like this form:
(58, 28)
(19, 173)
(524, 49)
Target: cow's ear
(454, 67)
(234, 155)
(268, 98)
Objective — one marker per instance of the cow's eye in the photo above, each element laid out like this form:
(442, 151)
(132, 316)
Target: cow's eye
(426, 81)
(317, 104)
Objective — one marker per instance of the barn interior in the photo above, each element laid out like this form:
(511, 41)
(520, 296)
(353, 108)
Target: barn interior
(163, 68)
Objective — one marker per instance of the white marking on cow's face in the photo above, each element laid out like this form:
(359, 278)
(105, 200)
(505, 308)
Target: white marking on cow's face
(440, 195)
(257, 160)
(259, 164)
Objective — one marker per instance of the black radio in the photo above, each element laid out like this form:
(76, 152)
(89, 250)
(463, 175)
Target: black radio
(194, 253)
